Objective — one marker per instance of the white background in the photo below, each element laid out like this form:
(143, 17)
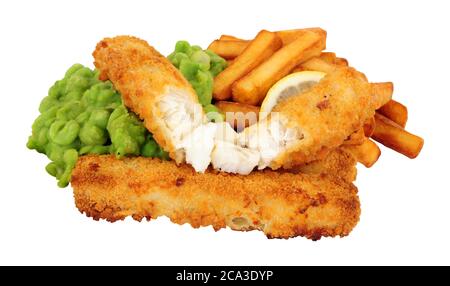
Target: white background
(405, 203)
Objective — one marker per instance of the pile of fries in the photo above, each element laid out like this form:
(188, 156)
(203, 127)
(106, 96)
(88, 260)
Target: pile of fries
(256, 65)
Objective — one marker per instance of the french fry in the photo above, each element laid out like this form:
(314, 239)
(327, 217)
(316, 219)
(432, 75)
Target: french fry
(229, 38)
(382, 92)
(238, 115)
(341, 62)
(367, 153)
(395, 111)
(288, 36)
(262, 47)
(228, 49)
(391, 135)
(369, 127)
(328, 57)
(316, 64)
(326, 62)
(252, 88)
(356, 138)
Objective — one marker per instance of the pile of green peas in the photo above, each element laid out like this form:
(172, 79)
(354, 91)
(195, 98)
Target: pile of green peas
(83, 115)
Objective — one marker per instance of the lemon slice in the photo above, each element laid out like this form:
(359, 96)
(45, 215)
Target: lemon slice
(288, 86)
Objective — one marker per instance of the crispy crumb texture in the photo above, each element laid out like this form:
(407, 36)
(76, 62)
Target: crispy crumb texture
(281, 204)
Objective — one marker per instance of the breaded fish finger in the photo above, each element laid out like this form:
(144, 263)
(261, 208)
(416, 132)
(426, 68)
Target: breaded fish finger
(152, 87)
(280, 204)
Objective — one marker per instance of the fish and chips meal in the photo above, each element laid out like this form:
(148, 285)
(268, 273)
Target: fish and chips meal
(260, 134)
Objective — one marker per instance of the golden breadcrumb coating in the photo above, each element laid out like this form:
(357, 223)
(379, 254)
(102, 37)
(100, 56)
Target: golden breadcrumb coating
(143, 76)
(338, 163)
(325, 115)
(281, 204)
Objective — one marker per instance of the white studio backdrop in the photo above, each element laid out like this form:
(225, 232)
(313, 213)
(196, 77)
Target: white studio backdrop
(405, 203)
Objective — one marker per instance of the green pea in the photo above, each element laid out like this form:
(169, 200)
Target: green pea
(47, 103)
(64, 132)
(123, 144)
(54, 152)
(203, 85)
(106, 96)
(45, 119)
(119, 111)
(42, 139)
(176, 58)
(183, 47)
(39, 136)
(201, 58)
(99, 117)
(149, 149)
(92, 135)
(83, 117)
(196, 48)
(126, 131)
(56, 89)
(72, 70)
(31, 143)
(101, 95)
(83, 72)
(189, 69)
(69, 111)
(171, 58)
(52, 169)
(77, 82)
(57, 169)
(73, 95)
(70, 158)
